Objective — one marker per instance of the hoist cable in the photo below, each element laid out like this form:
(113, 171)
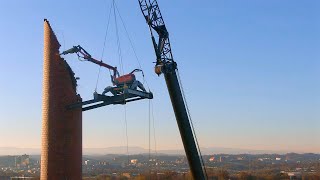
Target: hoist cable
(192, 127)
(131, 44)
(154, 137)
(122, 72)
(104, 45)
(151, 120)
(106, 33)
(149, 116)
(126, 129)
(125, 28)
(118, 39)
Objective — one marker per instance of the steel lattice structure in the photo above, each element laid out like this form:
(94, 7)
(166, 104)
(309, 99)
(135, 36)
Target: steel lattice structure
(155, 21)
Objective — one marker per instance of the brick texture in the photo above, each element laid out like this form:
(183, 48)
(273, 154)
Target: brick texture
(61, 152)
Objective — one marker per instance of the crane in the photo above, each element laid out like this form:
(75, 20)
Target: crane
(167, 66)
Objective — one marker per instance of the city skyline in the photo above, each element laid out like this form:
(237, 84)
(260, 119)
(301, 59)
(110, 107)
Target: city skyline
(250, 72)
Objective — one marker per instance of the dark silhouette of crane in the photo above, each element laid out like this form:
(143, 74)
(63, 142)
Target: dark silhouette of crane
(167, 66)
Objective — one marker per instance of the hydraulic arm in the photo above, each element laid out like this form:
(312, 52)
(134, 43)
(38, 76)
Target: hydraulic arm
(115, 78)
(166, 65)
(86, 56)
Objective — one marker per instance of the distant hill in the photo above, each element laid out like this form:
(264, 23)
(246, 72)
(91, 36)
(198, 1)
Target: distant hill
(115, 150)
(90, 151)
(18, 151)
(222, 150)
(139, 150)
(204, 151)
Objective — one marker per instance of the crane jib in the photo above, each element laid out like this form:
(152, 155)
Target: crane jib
(166, 65)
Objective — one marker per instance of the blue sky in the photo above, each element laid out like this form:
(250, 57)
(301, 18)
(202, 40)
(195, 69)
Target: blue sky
(250, 70)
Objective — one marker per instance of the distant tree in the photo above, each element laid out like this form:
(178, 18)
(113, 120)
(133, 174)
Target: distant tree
(36, 178)
(170, 175)
(149, 176)
(310, 177)
(269, 175)
(223, 175)
(103, 177)
(188, 176)
(246, 176)
(212, 176)
(140, 177)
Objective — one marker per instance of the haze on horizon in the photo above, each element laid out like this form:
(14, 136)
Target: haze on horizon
(250, 70)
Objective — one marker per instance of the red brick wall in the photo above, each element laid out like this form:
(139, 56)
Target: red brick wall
(61, 152)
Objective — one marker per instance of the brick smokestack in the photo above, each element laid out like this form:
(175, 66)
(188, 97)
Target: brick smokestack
(61, 152)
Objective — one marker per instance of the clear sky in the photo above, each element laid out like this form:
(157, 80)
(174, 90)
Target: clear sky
(250, 71)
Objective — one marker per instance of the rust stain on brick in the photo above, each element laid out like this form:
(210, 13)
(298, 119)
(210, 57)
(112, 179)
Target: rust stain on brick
(61, 152)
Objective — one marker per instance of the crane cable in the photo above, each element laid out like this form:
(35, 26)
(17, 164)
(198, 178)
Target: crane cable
(122, 72)
(151, 114)
(104, 45)
(149, 137)
(131, 44)
(126, 129)
(151, 117)
(120, 60)
(118, 39)
(192, 127)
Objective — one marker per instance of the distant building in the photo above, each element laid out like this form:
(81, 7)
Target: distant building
(22, 161)
(294, 175)
(22, 177)
(134, 161)
(211, 159)
(180, 160)
(127, 175)
(103, 163)
(221, 159)
(278, 159)
(240, 158)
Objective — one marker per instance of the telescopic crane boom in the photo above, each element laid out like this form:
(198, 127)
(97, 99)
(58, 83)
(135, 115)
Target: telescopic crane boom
(166, 65)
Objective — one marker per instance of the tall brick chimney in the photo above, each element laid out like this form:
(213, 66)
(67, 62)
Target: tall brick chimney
(61, 152)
